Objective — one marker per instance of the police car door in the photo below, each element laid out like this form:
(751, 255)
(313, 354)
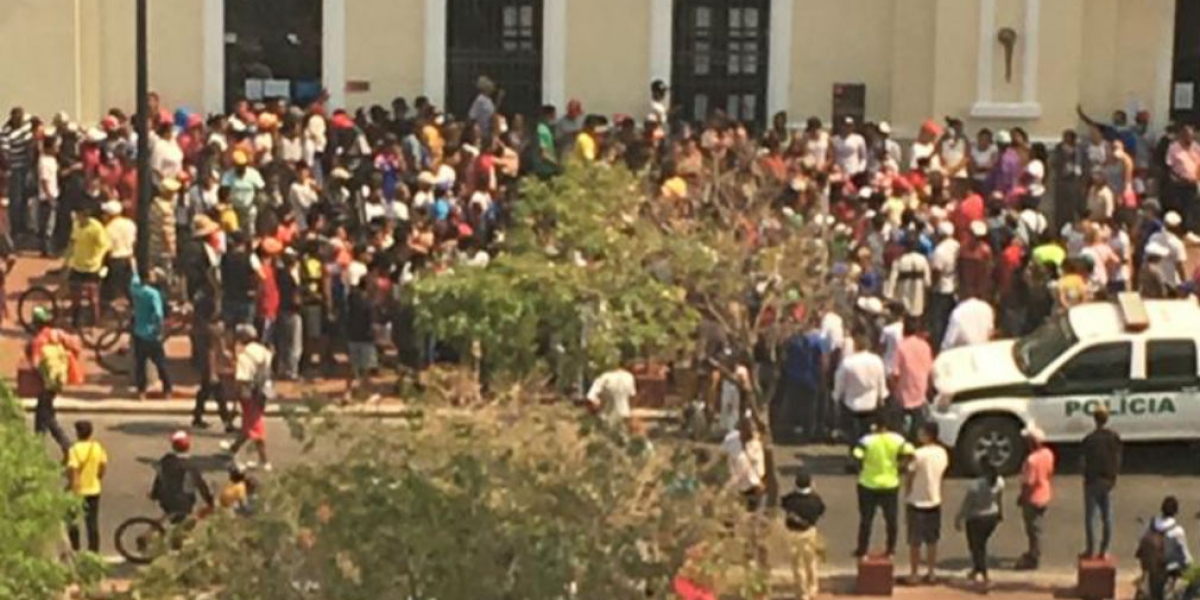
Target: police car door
(1096, 375)
(1165, 403)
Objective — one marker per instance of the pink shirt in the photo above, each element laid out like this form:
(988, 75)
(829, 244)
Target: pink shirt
(1184, 160)
(914, 363)
(1035, 477)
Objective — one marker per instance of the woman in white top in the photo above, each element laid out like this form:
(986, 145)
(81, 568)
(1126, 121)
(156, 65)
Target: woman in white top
(1100, 202)
(983, 156)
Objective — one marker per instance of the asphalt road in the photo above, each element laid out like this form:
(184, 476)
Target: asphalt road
(133, 443)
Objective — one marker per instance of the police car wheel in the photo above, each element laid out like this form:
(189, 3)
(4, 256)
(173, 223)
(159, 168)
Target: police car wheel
(992, 439)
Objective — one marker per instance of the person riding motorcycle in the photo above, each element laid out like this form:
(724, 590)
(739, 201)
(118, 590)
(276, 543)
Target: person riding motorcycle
(179, 480)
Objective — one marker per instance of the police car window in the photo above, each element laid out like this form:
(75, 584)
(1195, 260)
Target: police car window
(1101, 363)
(1171, 358)
(1036, 351)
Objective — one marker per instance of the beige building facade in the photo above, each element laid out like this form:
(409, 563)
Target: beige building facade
(1000, 63)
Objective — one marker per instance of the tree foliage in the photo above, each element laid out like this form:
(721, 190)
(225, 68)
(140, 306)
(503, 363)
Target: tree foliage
(504, 502)
(33, 503)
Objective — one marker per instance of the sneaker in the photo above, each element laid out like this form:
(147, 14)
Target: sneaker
(250, 464)
(226, 445)
(267, 467)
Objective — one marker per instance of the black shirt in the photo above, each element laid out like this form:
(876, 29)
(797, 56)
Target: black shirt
(1101, 458)
(237, 277)
(802, 510)
(360, 316)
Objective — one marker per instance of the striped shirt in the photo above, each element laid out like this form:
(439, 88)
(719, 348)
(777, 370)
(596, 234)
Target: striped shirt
(17, 145)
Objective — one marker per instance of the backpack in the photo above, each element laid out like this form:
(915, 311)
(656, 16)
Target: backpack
(1152, 550)
(54, 365)
(174, 488)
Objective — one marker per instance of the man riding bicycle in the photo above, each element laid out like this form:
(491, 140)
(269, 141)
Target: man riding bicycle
(179, 480)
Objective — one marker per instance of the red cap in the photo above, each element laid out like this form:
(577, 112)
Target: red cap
(181, 441)
(194, 120)
(932, 127)
(110, 123)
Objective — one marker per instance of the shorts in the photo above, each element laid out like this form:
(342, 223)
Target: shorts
(924, 525)
(362, 358)
(79, 277)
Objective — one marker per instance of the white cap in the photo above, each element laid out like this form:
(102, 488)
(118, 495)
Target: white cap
(1173, 219)
(111, 208)
(979, 228)
(871, 304)
(885, 128)
(1003, 137)
(946, 229)
(865, 193)
(1157, 249)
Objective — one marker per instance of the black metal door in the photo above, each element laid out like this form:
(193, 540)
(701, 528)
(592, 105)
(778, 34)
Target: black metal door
(500, 39)
(1186, 75)
(272, 39)
(720, 58)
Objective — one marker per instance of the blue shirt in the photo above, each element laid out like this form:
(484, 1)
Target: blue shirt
(802, 359)
(148, 310)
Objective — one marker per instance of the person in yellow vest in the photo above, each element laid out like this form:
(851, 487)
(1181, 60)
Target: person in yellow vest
(87, 463)
(882, 455)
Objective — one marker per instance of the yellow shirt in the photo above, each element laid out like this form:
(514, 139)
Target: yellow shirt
(86, 459)
(89, 244)
(233, 495)
(585, 147)
(675, 188)
(229, 219)
(880, 455)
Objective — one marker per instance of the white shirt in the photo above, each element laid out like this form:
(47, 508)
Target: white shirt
(890, 338)
(1176, 255)
(954, 150)
(122, 235)
(253, 364)
(614, 389)
(833, 329)
(944, 262)
(920, 151)
(971, 322)
(818, 148)
(355, 271)
(747, 462)
(927, 468)
(47, 177)
(861, 382)
(983, 160)
(850, 153)
(166, 158)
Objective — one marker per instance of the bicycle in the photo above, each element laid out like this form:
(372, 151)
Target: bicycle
(88, 315)
(114, 346)
(140, 540)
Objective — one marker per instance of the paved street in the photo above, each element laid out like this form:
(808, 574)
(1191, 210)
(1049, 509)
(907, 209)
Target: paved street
(134, 441)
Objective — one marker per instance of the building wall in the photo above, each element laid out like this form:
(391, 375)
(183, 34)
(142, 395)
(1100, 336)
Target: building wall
(847, 41)
(385, 47)
(37, 55)
(608, 50)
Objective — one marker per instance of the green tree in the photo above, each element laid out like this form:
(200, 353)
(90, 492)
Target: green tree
(504, 502)
(33, 504)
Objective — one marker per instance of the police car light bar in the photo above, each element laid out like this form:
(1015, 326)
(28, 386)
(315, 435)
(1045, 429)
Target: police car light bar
(1133, 311)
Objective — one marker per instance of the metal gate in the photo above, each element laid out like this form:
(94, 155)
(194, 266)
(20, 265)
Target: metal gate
(720, 58)
(500, 39)
(277, 40)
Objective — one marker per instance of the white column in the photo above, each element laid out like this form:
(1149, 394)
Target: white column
(1033, 28)
(214, 56)
(333, 51)
(779, 74)
(554, 52)
(1160, 111)
(662, 20)
(435, 51)
(986, 55)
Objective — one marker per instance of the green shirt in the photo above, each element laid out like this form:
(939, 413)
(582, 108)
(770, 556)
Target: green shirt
(1049, 254)
(879, 456)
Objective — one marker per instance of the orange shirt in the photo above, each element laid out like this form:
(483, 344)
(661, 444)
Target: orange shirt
(1035, 477)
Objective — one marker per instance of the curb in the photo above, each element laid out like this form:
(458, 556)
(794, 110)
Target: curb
(184, 408)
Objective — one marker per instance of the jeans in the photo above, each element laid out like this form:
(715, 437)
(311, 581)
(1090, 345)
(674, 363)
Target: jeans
(979, 531)
(938, 313)
(18, 186)
(45, 420)
(149, 350)
(211, 389)
(1097, 498)
(237, 313)
(289, 344)
(91, 521)
(46, 208)
(1032, 516)
(868, 501)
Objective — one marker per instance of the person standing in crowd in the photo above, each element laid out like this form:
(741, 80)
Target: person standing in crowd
(803, 509)
(860, 386)
(1183, 163)
(149, 313)
(881, 455)
(806, 356)
(910, 278)
(612, 393)
(1171, 266)
(47, 193)
(849, 152)
(743, 450)
(943, 266)
(972, 322)
(1067, 169)
(87, 463)
(252, 377)
(1037, 472)
(85, 261)
(1101, 465)
(981, 511)
(18, 150)
(122, 237)
(244, 183)
(484, 107)
(660, 109)
(1162, 551)
(923, 486)
(911, 374)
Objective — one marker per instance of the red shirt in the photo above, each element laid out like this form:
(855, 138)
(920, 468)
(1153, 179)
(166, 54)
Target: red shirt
(1010, 260)
(974, 268)
(268, 297)
(1035, 477)
(969, 210)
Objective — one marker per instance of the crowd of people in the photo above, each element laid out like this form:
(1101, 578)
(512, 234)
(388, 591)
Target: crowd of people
(291, 232)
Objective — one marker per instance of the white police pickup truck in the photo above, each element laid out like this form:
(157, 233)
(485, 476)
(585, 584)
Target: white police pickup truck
(1138, 358)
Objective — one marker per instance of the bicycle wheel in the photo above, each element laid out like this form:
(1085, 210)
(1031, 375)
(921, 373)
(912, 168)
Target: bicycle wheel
(108, 330)
(140, 540)
(32, 299)
(114, 352)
